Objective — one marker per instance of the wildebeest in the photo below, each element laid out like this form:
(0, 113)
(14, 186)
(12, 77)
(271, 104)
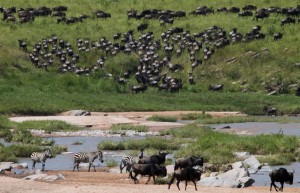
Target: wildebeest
(188, 162)
(287, 20)
(270, 110)
(281, 175)
(142, 27)
(147, 169)
(278, 36)
(158, 159)
(185, 174)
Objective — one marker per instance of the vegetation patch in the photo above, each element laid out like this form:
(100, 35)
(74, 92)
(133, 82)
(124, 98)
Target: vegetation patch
(242, 119)
(120, 128)
(160, 118)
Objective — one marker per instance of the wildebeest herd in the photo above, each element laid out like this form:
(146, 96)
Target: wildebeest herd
(185, 169)
(154, 66)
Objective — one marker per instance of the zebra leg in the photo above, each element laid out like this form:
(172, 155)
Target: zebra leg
(33, 164)
(90, 166)
(43, 166)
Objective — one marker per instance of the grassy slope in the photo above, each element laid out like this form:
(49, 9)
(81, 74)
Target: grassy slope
(26, 90)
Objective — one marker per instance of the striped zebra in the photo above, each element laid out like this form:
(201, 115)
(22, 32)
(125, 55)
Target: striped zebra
(40, 157)
(87, 157)
(129, 161)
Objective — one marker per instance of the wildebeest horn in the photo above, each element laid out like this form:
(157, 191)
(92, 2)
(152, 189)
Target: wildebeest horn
(293, 171)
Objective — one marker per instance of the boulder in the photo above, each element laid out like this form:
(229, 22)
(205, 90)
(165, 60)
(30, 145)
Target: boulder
(237, 177)
(253, 164)
(44, 177)
(79, 113)
(6, 165)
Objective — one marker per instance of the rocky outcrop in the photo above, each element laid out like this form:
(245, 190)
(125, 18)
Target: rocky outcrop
(252, 164)
(38, 175)
(237, 177)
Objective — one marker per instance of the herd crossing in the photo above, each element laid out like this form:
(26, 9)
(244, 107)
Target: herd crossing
(87, 157)
(41, 157)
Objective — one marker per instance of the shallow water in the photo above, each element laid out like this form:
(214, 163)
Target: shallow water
(262, 176)
(89, 144)
(65, 161)
(262, 127)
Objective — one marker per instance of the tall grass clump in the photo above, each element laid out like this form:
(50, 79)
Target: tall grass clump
(126, 127)
(160, 118)
(157, 143)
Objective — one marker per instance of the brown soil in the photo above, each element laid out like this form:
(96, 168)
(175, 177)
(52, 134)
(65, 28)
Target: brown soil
(104, 182)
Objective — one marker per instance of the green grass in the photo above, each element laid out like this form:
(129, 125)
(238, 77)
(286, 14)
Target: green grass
(120, 128)
(158, 143)
(218, 148)
(242, 119)
(161, 118)
(215, 147)
(27, 90)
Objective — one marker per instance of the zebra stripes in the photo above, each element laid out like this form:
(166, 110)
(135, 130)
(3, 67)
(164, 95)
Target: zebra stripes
(129, 161)
(87, 157)
(40, 157)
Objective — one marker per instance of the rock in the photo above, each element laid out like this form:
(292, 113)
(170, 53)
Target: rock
(226, 127)
(79, 113)
(242, 154)
(253, 163)
(6, 165)
(18, 171)
(45, 177)
(237, 177)
(19, 166)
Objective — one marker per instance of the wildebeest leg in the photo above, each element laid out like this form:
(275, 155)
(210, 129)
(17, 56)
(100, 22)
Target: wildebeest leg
(273, 184)
(171, 181)
(178, 184)
(185, 184)
(281, 186)
(195, 184)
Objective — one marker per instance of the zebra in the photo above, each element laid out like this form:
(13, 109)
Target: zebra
(129, 161)
(87, 157)
(41, 157)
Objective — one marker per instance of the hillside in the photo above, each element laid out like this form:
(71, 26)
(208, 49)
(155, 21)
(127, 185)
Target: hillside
(139, 55)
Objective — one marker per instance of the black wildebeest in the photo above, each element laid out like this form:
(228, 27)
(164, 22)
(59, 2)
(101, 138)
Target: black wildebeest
(188, 162)
(185, 174)
(158, 159)
(281, 175)
(287, 20)
(142, 27)
(278, 36)
(270, 110)
(147, 169)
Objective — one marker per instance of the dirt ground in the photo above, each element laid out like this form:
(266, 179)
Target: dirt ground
(103, 181)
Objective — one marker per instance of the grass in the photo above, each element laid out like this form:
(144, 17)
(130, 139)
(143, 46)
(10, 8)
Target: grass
(120, 128)
(158, 143)
(111, 163)
(216, 147)
(161, 118)
(27, 90)
(242, 119)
